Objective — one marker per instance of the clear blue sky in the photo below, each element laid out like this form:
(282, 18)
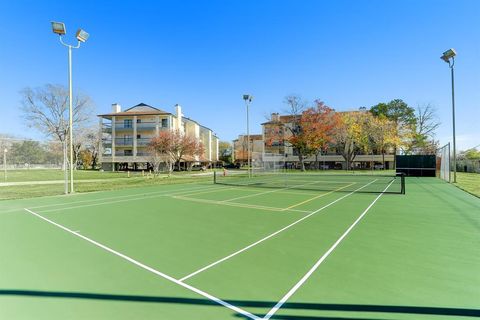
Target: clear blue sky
(205, 54)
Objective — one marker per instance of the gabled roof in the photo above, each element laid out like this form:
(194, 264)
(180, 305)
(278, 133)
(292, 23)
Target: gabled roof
(140, 109)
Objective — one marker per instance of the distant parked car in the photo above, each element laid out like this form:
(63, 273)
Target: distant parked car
(378, 166)
(198, 167)
(232, 166)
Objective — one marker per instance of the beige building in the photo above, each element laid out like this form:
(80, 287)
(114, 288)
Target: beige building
(240, 148)
(126, 135)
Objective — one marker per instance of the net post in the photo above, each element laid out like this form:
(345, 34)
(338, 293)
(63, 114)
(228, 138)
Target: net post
(214, 177)
(402, 183)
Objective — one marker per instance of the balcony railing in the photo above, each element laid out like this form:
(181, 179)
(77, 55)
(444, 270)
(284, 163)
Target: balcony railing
(142, 126)
(124, 141)
(146, 125)
(107, 128)
(107, 142)
(122, 154)
(143, 141)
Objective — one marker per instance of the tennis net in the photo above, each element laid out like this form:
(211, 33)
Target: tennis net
(315, 181)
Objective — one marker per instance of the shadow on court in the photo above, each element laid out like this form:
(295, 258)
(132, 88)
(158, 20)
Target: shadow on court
(440, 311)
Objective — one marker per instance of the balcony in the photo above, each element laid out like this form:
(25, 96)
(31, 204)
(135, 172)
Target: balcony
(107, 143)
(146, 126)
(143, 142)
(106, 128)
(126, 142)
(120, 126)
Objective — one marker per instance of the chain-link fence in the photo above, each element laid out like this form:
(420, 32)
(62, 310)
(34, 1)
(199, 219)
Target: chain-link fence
(443, 163)
(30, 154)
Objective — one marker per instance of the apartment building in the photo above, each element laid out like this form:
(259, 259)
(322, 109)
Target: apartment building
(240, 148)
(277, 130)
(126, 135)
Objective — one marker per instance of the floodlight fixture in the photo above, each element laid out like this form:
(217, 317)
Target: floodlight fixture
(59, 28)
(82, 35)
(247, 97)
(447, 55)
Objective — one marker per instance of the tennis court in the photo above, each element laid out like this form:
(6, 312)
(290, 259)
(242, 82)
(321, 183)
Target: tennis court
(307, 247)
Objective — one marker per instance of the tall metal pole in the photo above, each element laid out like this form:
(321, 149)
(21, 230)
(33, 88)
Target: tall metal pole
(5, 164)
(65, 173)
(248, 142)
(453, 119)
(71, 115)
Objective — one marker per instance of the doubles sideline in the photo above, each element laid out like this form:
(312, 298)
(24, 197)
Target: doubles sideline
(320, 261)
(200, 186)
(126, 198)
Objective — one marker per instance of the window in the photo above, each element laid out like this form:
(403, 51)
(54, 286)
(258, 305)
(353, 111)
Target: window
(164, 123)
(139, 136)
(128, 152)
(127, 123)
(127, 140)
(139, 120)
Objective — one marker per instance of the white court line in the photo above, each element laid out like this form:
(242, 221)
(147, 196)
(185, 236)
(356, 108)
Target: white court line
(180, 190)
(143, 266)
(272, 234)
(160, 194)
(319, 262)
(236, 204)
(266, 192)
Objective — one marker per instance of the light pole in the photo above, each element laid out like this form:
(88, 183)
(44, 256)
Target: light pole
(449, 57)
(5, 164)
(82, 36)
(248, 99)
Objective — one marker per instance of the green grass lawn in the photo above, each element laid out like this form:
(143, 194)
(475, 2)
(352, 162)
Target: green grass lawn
(85, 181)
(469, 182)
(58, 174)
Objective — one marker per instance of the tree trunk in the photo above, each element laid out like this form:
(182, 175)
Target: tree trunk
(317, 164)
(302, 165)
(383, 159)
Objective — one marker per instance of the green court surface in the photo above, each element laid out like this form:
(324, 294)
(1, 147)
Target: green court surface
(210, 251)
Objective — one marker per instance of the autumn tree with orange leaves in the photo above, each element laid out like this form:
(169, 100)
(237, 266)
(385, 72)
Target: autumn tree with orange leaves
(307, 130)
(318, 125)
(172, 147)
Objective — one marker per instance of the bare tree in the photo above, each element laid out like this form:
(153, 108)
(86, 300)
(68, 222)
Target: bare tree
(427, 121)
(423, 139)
(296, 105)
(45, 109)
(86, 140)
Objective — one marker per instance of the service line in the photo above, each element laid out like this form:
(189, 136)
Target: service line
(272, 234)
